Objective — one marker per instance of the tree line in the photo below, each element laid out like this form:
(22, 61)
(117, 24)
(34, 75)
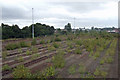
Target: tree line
(26, 32)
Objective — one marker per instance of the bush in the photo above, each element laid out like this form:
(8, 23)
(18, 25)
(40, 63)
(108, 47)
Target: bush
(50, 71)
(102, 62)
(78, 51)
(57, 39)
(5, 67)
(42, 42)
(21, 59)
(109, 60)
(12, 46)
(79, 42)
(72, 69)
(58, 60)
(55, 45)
(4, 54)
(28, 52)
(97, 72)
(34, 42)
(21, 72)
(34, 50)
(103, 73)
(81, 68)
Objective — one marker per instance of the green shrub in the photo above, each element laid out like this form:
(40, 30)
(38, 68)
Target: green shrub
(72, 69)
(23, 44)
(57, 39)
(34, 42)
(109, 60)
(55, 45)
(20, 50)
(48, 72)
(28, 52)
(21, 72)
(79, 42)
(58, 60)
(4, 54)
(103, 73)
(51, 48)
(34, 50)
(12, 46)
(21, 59)
(5, 67)
(81, 68)
(97, 72)
(78, 51)
(102, 61)
(42, 42)
(34, 56)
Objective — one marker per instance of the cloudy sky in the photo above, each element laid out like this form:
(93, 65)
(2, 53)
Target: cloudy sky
(57, 13)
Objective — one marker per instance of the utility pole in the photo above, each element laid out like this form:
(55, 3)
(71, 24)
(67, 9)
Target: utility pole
(74, 25)
(32, 24)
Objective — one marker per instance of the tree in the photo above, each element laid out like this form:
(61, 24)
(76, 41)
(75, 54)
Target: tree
(68, 27)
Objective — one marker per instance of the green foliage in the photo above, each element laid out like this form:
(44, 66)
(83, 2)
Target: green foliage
(72, 69)
(48, 72)
(21, 72)
(28, 52)
(21, 59)
(4, 54)
(42, 42)
(5, 67)
(58, 60)
(51, 48)
(20, 50)
(82, 68)
(78, 51)
(109, 60)
(79, 42)
(102, 61)
(34, 50)
(24, 44)
(103, 73)
(34, 42)
(56, 45)
(57, 39)
(12, 46)
(15, 32)
(68, 27)
(34, 56)
(97, 72)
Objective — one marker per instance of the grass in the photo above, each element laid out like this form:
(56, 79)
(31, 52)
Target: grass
(48, 72)
(12, 46)
(57, 39)
(28, 52)
(21, 72)
(72, 69)
(109, 59)
(82, 68)
(97, 72)
(20, 59)
(42, 42)
(78, 51)
(5, 67)
(20, 50)
(58, 60)
(56, 45)
(102, 61)
(4, 54)
(34, 50)
(34, 56)
(34, 42)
